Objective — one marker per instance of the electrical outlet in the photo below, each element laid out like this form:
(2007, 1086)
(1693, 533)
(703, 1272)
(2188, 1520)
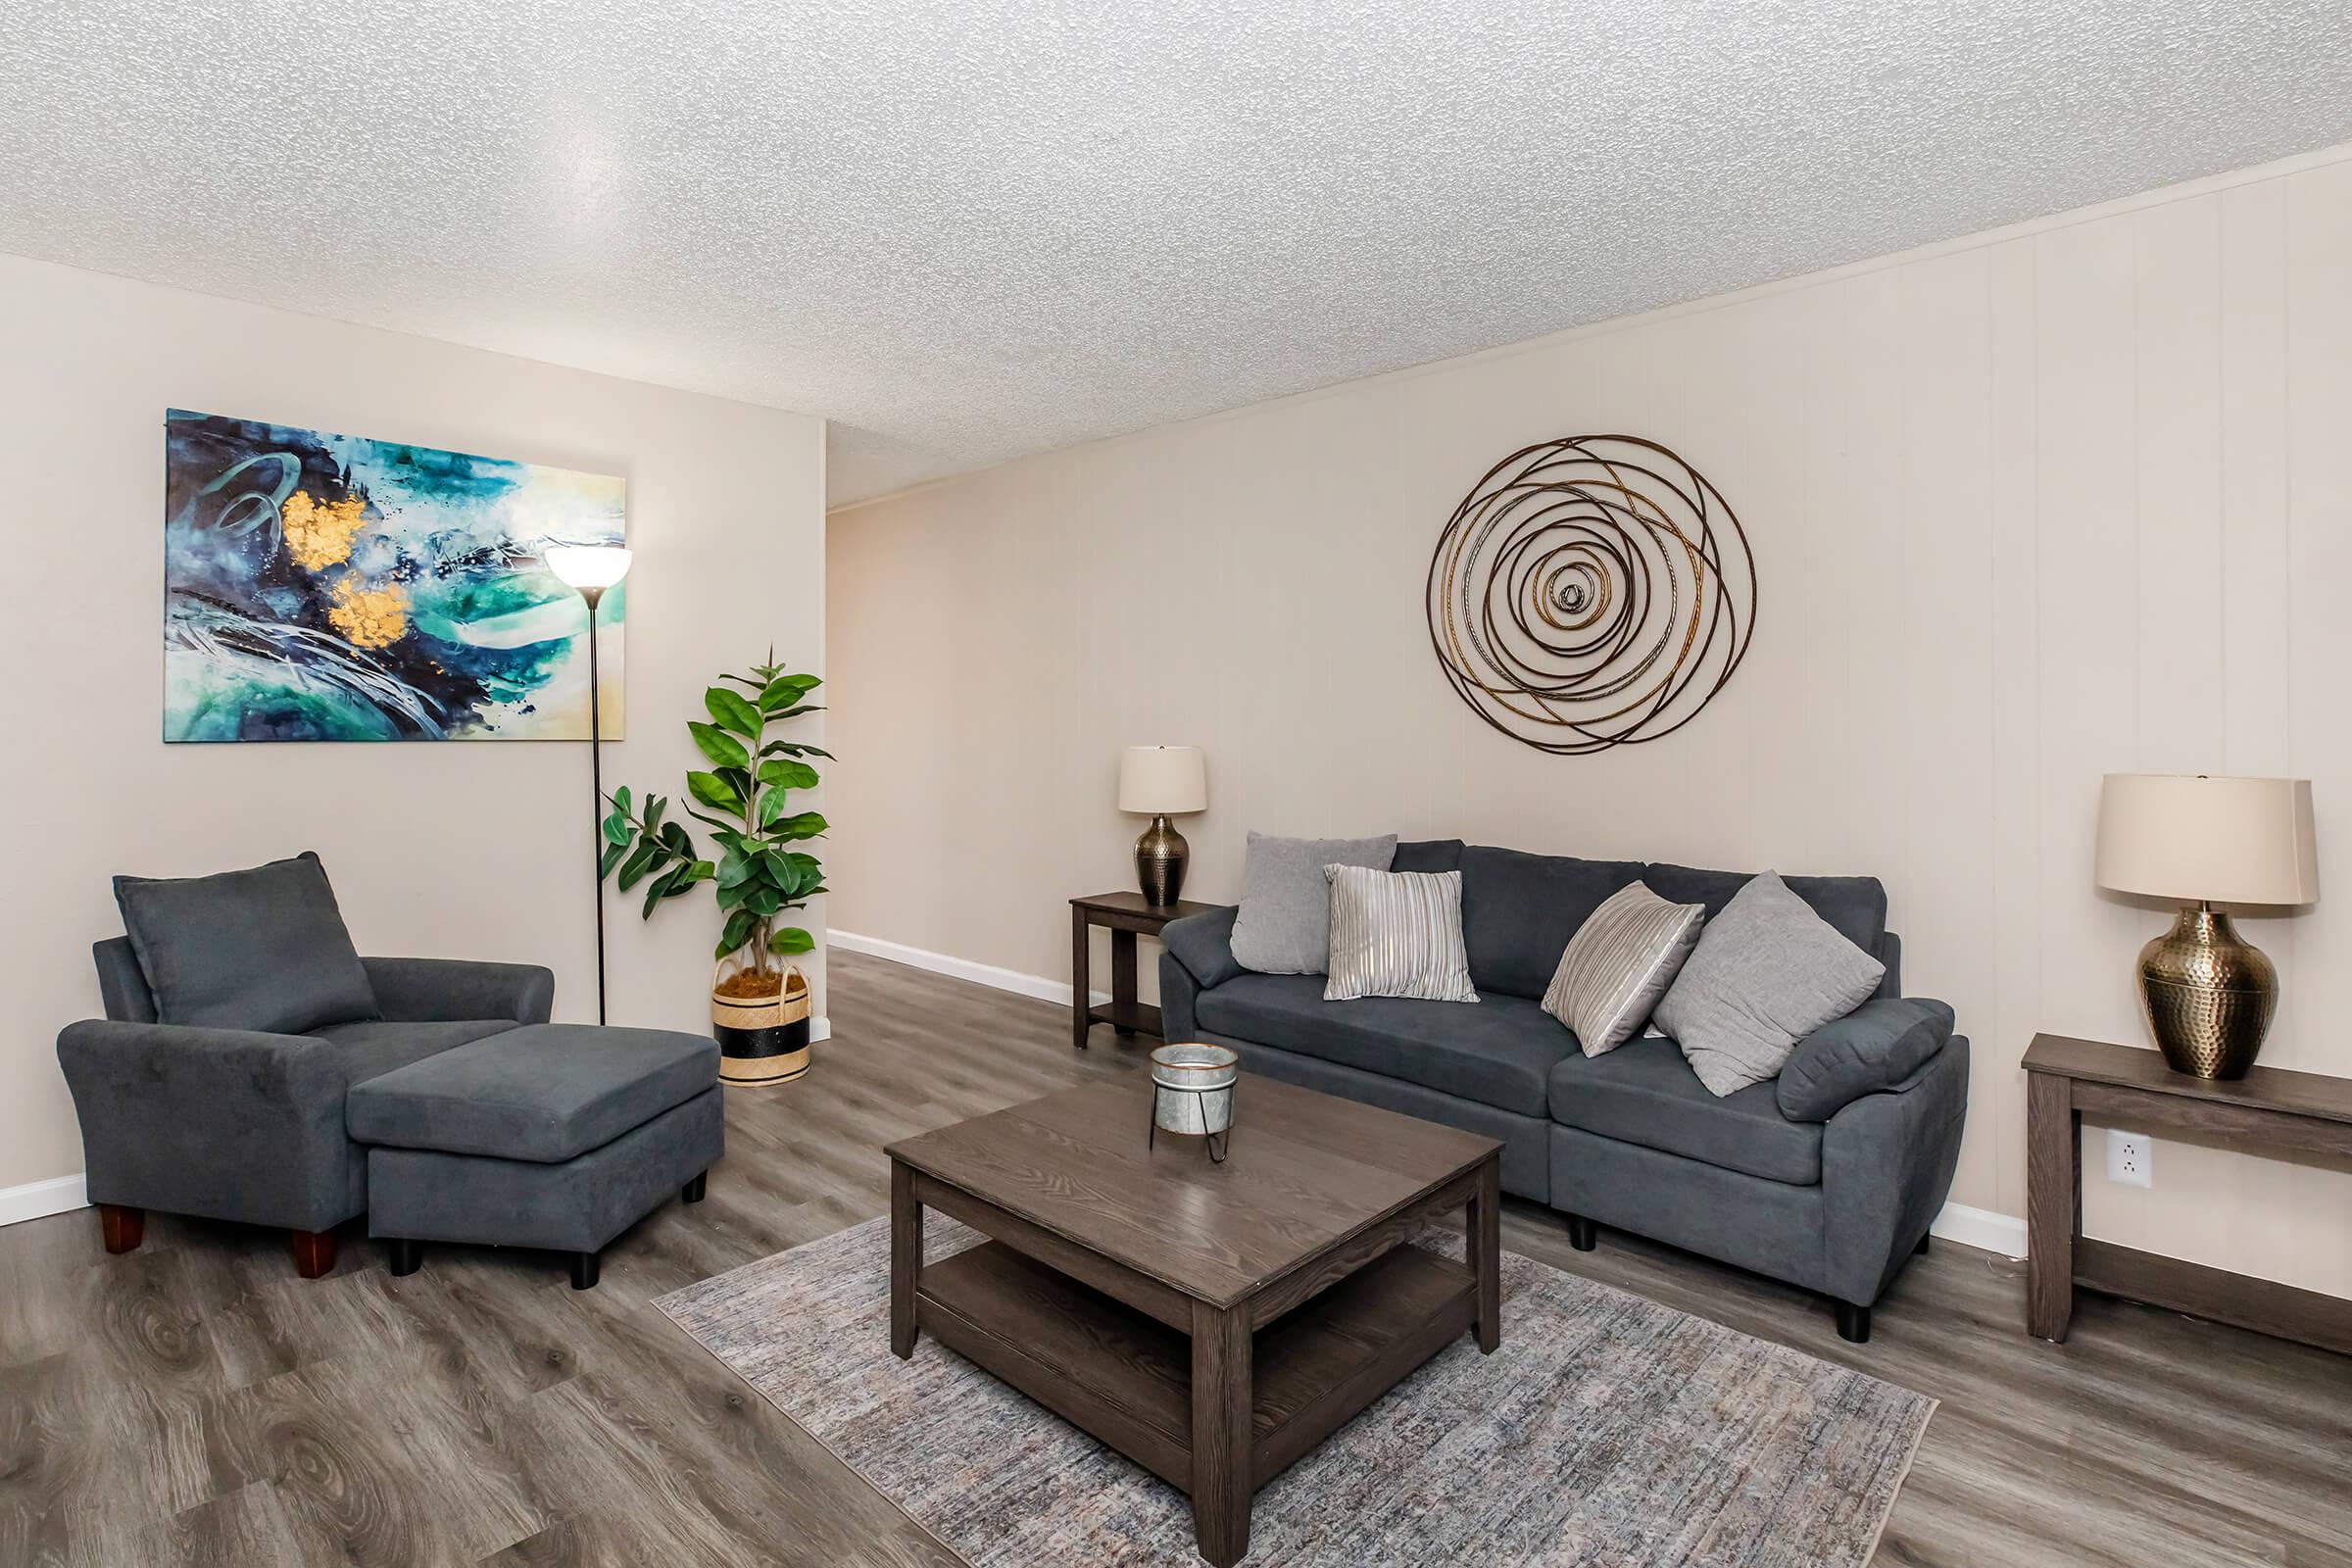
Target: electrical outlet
(2130, 1158)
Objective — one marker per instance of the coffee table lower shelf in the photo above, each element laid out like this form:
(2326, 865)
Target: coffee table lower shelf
(1127, 1378)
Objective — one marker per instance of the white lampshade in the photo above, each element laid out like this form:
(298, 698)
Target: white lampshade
(2221, 840)
(1163, 780)
(588, 565)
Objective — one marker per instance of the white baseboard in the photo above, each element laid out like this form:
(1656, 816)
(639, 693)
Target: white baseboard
(985, 974)
(39, 1199)
(820, 1027)
(2004, 1233)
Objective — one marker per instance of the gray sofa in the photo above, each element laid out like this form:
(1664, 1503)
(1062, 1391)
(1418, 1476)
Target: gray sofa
(1834, 1199)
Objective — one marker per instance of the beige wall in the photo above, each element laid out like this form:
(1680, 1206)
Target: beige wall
(2025, 509)
(460, 848)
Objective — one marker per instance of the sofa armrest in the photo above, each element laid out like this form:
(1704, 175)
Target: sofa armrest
(1886, 1164)
(228, 1124)
(1203, 945)
(445, 990)
(1868, 1052)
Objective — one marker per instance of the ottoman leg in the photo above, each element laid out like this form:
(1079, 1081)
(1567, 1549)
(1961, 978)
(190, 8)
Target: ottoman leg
(697, 1188)
(407, 1257)
(584, 1266)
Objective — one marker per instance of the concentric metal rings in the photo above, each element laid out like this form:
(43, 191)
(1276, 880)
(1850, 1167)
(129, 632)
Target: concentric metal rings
(1592, 591)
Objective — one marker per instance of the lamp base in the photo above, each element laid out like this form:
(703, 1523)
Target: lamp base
(1160, 856)
(2208, 995)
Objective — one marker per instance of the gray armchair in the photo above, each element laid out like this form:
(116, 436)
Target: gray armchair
(244, 1125)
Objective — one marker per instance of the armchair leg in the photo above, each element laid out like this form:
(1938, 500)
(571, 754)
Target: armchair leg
(1583, 1234)
(1853, 1322)
(122, 1228)
(313, 1252)
(407, 1257)
(584, 1271)
(697, 1188)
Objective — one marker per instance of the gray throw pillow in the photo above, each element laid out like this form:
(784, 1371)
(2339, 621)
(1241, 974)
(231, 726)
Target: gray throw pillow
(1397, 934)
(263, 950)
(1767, 972)
(1284, 926)
(1619, 963)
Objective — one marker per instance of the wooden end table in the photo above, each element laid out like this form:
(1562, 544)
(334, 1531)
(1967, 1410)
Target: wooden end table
(2124, 1085)
(1213, 1322)
(1126, 914)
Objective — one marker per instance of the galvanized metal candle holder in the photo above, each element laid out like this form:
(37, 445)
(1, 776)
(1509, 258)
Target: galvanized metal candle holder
(1191, 1093)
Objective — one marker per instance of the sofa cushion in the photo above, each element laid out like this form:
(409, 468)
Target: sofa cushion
(263, 949)
(1855, 907)
(1519, 910)
(1619, 963)
(1645, 1092)
(1284, 926)
(1500, 1052)
(1427, 855)
(374, 1047)
(541, 1091)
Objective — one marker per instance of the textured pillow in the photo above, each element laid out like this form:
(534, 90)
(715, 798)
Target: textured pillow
(1619, 963)
(1875, 1047)
(262, 950)
(1397, 934)
(1284, 926)
(1767, 972)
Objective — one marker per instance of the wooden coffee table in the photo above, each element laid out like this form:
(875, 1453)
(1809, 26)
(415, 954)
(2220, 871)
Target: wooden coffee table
(1284, 1268)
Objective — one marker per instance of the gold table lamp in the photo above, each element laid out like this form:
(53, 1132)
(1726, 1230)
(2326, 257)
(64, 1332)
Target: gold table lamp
(2208, 992)
(1158, 782)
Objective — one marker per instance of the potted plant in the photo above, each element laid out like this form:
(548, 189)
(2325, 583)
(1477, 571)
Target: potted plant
(758, 1006)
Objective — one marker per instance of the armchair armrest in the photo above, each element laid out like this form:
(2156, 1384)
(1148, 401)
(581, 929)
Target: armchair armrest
(1203, 945)
(1886, 1164)
(444, 990)
(1868, 1052)
(229, 1123)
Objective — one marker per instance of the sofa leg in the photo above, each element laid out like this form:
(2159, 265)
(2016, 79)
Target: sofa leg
(407, 1257)
(1921, 1250)
(584, 1271)
(1583, 1234)
(313, 1252)
(122, 1228)
(697, 1188)
(1853, 1322)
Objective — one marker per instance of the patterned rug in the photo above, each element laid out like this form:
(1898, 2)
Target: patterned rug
(1606, 1430)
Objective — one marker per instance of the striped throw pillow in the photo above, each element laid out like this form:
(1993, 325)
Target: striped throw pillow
(1397, 934)
(1619, 963)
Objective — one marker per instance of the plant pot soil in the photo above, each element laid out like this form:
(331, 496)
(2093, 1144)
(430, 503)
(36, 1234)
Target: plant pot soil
(762, 1024)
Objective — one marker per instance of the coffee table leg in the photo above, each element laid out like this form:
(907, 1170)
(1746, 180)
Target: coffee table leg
(1221, 1457)
(906, 1259)
(1485, 1229)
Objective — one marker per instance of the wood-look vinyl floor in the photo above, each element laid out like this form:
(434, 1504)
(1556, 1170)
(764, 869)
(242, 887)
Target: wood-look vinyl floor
(195, 1402)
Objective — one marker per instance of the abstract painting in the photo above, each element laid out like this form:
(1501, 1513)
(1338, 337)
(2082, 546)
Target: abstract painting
(322, 587)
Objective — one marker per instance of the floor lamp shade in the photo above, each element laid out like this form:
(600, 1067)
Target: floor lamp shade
(1162, 781)
(2208, 992)
(586, 567)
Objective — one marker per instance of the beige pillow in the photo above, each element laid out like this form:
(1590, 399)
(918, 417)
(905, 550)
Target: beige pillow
(1397, 934)
(1619, 963)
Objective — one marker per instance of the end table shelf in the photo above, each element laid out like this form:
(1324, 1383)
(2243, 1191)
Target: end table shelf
(1125, 915)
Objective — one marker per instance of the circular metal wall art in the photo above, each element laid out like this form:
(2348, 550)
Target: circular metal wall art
(1589, 593)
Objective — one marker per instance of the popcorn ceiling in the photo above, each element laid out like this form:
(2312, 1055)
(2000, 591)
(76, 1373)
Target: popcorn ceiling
(969, 230)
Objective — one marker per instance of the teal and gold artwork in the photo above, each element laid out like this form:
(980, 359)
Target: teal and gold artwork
(323, 587)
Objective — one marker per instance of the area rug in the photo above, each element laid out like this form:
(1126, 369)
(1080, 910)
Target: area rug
(1606, 1430)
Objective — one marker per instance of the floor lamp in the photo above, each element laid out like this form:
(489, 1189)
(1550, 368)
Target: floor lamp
(591, 569)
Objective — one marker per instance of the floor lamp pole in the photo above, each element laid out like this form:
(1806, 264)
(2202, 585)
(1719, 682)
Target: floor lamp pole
(596, 785)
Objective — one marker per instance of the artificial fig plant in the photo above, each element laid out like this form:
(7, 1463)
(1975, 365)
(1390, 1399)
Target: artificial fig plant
(742, 799)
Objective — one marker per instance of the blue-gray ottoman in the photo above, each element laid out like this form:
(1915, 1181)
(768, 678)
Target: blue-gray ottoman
(556, 1135)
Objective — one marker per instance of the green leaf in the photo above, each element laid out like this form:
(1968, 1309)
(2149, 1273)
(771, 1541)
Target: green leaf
(653, 812)
(732, 713)
(731, 898)
(795, 712)
(791, 939)
(713, 791)
(611, 858)
(794, 748)
(675, 839)
(647, 855)
(716, 827)
(784, 775)
(785, 690)
(723, 748)
(746, 681)
(738, 779)
(668, 885)
(773, 807)
(733, 869)
(806, 826)
(739, 928)
(763, 902)
(616, 829)
(620, 797)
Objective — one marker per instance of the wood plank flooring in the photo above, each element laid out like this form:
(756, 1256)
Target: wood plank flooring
(194, 1403)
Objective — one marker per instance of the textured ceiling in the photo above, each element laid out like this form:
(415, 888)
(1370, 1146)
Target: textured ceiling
(969, 229)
